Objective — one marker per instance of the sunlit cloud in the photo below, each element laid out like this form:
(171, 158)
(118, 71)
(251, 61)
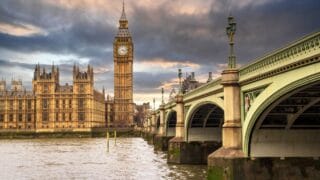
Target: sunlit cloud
(43, 58)
(21, 29)
(101, 69)
(159, 64)
(245, 3)
(140, 98)
(170, 84)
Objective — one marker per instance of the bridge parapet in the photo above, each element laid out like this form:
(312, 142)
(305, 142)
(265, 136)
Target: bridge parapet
(170, 105)
(204, 90)
(304, 48)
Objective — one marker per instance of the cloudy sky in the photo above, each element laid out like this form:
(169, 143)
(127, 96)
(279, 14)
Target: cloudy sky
(167, 34)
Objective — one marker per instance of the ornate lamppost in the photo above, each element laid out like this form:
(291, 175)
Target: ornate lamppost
(231, 30)
(180, 83)
(162, 92)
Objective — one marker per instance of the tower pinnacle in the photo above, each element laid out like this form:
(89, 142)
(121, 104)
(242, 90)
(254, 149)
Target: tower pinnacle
(123, 24)
(123, 15)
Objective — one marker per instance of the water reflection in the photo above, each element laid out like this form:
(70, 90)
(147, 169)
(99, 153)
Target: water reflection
(129, 158)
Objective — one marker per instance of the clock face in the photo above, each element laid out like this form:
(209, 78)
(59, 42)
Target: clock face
(122, 50)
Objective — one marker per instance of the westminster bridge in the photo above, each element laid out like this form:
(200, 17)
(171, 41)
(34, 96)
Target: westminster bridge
(260, 121)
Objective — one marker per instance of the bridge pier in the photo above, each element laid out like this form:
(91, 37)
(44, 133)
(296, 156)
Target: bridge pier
(176, 144)
(221, 163)
(153, 129)
(161, 141)
(195, 152)
(149, 135)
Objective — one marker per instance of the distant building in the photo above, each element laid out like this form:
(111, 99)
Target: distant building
(50, 106)
(141, 113)
(109, 111)
(190, 83)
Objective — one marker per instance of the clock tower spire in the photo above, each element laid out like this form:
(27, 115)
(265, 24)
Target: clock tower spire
(123, 74)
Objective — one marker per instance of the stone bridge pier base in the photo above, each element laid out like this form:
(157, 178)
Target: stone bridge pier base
(196, 152)
(150, 138)
(177, 143)
(144, 133)
(153, 129)
(148, 134)
(222, 163)
(264, 168)
(161, 141)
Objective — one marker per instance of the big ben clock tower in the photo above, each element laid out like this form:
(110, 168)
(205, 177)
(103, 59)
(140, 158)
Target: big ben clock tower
(123, 79)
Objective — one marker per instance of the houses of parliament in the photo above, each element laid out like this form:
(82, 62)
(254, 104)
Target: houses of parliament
(51, 107)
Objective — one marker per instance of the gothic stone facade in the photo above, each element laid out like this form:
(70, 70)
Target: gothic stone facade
(51, 107)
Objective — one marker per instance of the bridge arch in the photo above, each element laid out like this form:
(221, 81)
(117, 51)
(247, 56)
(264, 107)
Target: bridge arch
(204, 121)
(171, 122)
(281, 125)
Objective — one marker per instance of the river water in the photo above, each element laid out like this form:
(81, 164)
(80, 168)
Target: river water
(88, 158)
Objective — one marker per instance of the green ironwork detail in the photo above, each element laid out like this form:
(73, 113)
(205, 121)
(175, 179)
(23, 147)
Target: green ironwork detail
(249, 98)
(304, 46)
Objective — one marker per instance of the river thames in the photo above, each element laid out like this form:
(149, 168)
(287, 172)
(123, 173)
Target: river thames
(88, 158)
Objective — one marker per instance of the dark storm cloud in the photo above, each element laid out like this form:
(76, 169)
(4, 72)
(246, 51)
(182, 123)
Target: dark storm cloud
(158, 32)
(149, 82)
(76, 40)
(173, 36)
(67, 32)
(202, 37)
(6, 64)
(266, 28)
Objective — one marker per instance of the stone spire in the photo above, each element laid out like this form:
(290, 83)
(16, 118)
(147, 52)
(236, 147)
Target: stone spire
(104, 92)
(123, 15)
(123, 24)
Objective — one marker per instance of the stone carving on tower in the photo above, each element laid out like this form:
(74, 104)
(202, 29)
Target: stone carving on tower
(123, 79)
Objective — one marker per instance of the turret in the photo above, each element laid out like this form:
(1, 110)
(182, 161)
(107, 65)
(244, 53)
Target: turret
(83, 80)
(35, 73)
(38, 71)
(41, 78)
(192, 78)
(3, 86)
(210, 77)
(16, 85)
(104, 93)
(52, 69)
(74, 71)
(57, 74)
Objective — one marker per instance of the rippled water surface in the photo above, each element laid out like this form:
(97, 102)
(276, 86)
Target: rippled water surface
(129, 158)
